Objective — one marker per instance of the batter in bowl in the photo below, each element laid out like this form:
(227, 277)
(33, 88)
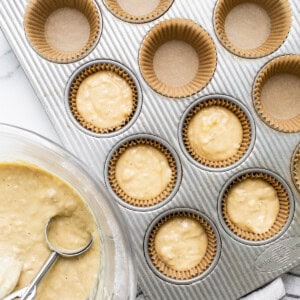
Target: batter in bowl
(29, 198)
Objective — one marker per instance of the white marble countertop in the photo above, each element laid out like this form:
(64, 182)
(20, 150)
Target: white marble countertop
(18, 103)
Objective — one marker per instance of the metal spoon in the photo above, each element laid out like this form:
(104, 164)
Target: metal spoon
(29, 292)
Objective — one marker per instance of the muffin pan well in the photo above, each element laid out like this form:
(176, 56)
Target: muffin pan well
(206, 264)
(136, 52)
(276, 93)
(63, 30)
(239, 111)
(295, 167)
(252, 28)
(284, 216)
(177, 58)
(171, 163)
(124, 118)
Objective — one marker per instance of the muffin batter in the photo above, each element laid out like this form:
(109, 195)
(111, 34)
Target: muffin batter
(181, 243)
(253, 205)
(67, 30)
(29, 198)
(105, 100)
(10, 271)
(143, 172)
(215, 133)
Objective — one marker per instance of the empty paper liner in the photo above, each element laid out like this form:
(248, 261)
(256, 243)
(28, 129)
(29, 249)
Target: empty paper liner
(282, 217)
(205, 263)
(246, 129)
(279, 13)
(117, 189)
(197, 41)
(283, 65)
(85, 73)
(37, 16)
(139, 12)
(296, 167)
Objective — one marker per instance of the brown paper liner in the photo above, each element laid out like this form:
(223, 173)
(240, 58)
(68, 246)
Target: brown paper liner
(296, 168)
(282, 217)
(118, 190)
(88, 71)
(281, 19)
(206, 260)
(189, 32)
(283, 64)
(37, 13)
(116, 10)
(247, 133)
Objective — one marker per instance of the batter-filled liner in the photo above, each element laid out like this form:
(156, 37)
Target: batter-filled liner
(122, 194)
(246, 126)
(282, 217)
(88, 71)
(204, 264)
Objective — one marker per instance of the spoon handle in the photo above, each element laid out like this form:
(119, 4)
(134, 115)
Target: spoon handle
(46, 267)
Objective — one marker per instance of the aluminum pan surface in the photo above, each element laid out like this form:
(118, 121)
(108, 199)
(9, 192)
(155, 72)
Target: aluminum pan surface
(235, 274)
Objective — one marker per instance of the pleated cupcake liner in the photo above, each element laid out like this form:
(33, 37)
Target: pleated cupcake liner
(115, 8)
(118, 189)
(289, 64)
(85, 73)
(281, 219)
(281, 19)
(186, 31)
(36, 16)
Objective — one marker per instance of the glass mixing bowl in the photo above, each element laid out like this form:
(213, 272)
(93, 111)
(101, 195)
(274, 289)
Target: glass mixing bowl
(117, 278)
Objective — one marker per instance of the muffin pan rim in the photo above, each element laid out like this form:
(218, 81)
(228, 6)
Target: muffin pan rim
(140, 100)
(161, 141)
(236, 102)
(201, 276)
(288, 222)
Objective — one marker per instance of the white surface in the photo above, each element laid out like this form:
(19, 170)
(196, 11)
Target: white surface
(18, 103)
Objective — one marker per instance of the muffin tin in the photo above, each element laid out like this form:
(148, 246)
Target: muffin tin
(239, 267)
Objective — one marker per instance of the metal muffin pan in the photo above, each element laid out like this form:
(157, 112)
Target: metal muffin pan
(241, 268)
